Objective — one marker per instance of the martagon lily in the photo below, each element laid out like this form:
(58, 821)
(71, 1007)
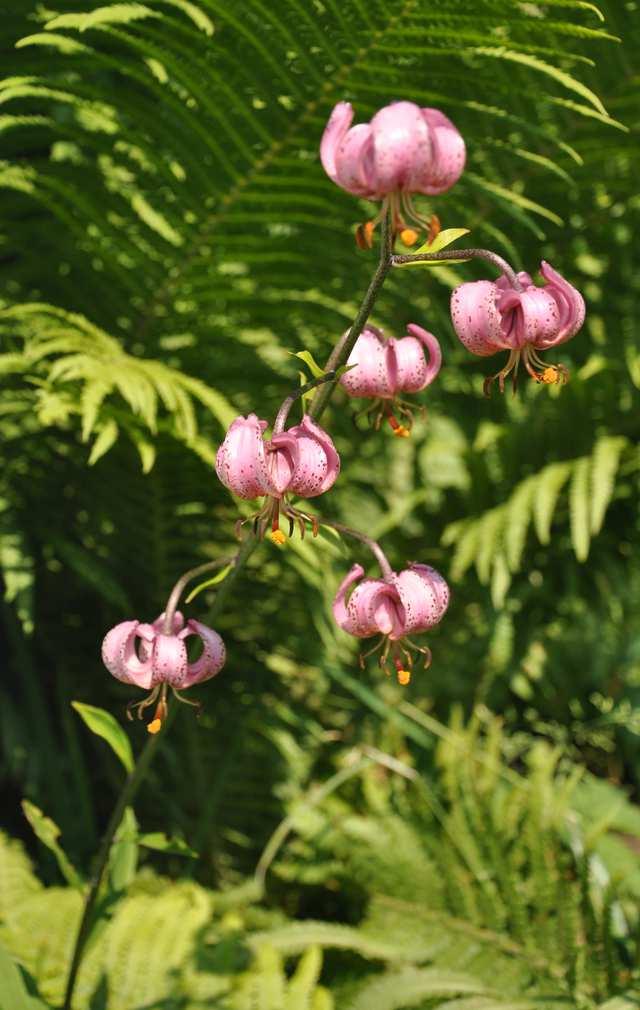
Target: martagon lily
(405, 149)
(518, 316)
(382, 368)
(155, 658)
(301, 461)
(394, 607)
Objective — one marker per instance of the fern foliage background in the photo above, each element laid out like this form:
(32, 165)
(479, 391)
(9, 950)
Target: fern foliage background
(167, 238)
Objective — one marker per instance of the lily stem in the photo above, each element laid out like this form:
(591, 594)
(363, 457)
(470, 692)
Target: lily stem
(498, 262)
(138, 773)
(372, 544)
(181, 584)
(126, 797)
(283, 413)
(345, 345)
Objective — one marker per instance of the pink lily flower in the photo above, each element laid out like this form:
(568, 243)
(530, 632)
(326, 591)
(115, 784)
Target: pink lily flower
(405, 149)
(522, 318)
(387, 367)
(407, 603)
(301, 461)
(148, 657)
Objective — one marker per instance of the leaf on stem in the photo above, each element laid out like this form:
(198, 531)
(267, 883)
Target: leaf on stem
(440, 242)
(213, 581)
(48, 832)
(104, 725)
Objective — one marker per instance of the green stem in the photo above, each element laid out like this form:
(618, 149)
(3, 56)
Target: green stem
(345, 345)
(129, 790)
(138, 773)
(498, 262)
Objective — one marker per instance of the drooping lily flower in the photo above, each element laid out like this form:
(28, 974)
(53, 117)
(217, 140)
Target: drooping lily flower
(395, 607)
(405, 149)
(148, 657)
(384, 368)
(521, 318)
(301, 461)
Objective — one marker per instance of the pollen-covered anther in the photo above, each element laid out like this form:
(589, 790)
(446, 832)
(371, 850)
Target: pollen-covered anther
(364, 235)
(409, 236)
(554, 375)
(400, 430)
(278, 537)
(404, 677)
(159, 717)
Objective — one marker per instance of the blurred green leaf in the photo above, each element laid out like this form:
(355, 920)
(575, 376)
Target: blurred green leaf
(104, 725)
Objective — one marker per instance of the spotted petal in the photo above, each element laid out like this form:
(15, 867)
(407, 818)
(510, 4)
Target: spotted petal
(570, 303)
(318, 464)
(476, 318)
(241, 460)
(120, 657)
(213, 655)
(375, 372)
(413, 372)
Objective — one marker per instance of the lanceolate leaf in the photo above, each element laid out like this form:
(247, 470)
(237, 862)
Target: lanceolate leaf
(104, 725)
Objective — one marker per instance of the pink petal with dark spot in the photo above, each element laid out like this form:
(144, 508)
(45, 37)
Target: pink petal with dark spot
(414, 372)
(570, 303)
(241, 459)
(213, 655)
(318, 464)
(476, 318)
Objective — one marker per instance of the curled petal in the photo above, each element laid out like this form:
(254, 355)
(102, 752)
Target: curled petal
(476, 318)
(120, 657)
(213, 655)
(570, 303)
(422, 597)
(169, 660)
(375, 373)
(528, 317)
(334, 133)
(373, 607)
(282, 459)
(413, 371)
(402, 143)
(241, 460)
(448, 155)
(318, 463)
(437, 586)
(354, 162)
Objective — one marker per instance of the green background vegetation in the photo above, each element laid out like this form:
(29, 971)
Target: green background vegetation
(167, 237)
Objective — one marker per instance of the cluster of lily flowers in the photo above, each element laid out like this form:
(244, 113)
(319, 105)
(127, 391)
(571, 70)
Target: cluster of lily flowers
(404, 150)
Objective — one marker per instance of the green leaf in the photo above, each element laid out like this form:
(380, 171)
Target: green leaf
(412, 986)
(13, 992)
(579, 505)
(213, 581)
(310, 362)
(441, 241)
(158, 841)
(48, 832)
(103, 724)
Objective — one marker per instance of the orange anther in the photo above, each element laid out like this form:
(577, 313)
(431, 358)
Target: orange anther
(155, 726)
(278, 537)
(401, 431)
(409, 236)
(404, 676)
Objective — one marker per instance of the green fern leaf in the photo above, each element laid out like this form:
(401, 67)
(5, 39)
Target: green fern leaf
(518, 517)
(413, 986)
(604, 465)
(579, 502)
(548, 487)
